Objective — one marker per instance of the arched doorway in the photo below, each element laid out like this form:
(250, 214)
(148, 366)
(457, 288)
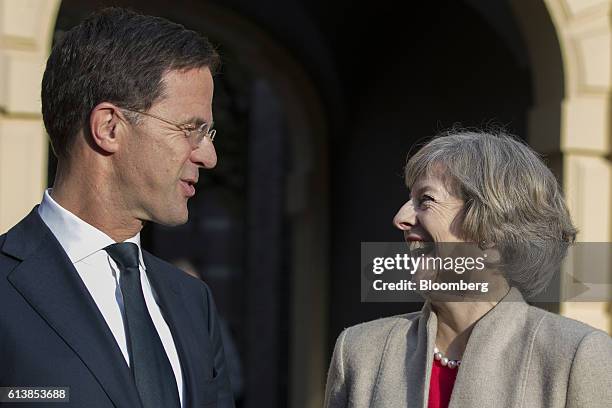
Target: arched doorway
(563, 38)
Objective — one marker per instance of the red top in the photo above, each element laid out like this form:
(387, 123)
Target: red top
(441, 385)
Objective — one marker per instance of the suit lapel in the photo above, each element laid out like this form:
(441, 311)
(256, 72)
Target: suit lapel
(176, 315)
(49, 282)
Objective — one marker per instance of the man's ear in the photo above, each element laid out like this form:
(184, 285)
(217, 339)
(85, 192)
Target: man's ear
(106, 122)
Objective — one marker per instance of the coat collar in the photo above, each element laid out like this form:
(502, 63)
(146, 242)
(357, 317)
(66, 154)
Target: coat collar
(408, 354)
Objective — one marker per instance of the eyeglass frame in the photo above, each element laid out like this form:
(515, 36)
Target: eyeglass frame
(186, 127)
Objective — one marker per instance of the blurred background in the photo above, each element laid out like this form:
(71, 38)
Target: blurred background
(318, 105)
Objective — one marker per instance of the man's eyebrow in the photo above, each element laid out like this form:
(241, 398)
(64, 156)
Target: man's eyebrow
(197, 121)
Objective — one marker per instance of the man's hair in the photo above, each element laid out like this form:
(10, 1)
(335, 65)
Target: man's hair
(116, 56)
(512, 200)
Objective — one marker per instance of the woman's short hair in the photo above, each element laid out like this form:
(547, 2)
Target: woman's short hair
(512, 200)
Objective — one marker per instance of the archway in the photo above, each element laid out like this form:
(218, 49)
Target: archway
(569, 44)
(569, 47)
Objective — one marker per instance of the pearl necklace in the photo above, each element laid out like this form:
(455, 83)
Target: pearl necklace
(438, 355)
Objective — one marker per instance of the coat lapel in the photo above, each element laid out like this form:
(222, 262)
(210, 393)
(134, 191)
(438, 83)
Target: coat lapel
(47, 279)
(191, 354)
(406, 356)
(494, 362)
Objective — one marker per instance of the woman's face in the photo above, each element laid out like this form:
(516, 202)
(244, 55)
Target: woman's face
(432, 214)
(431, 221)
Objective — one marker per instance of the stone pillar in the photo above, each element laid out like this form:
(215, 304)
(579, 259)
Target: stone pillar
(584, 31)
(26, 28)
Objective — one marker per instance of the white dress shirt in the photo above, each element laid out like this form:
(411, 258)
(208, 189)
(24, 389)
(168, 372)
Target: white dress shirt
(85, 245)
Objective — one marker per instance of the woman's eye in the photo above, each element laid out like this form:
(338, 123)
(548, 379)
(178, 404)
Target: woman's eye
(425, 198)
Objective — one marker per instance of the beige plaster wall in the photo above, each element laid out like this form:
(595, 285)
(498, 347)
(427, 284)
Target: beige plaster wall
(25, 37)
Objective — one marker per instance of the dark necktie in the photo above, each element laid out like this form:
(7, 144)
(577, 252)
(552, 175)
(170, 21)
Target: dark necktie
(149, 363)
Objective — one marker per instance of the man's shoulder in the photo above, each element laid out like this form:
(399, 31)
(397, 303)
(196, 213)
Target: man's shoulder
(2, 255)
(23, 238)
(7, 262)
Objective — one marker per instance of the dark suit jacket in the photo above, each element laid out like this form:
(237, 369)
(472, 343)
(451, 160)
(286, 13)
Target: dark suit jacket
(52, 333)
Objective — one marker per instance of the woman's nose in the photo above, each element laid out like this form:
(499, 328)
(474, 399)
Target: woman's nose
(405, 218)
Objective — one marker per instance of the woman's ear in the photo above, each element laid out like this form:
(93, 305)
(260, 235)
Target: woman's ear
(484, 244)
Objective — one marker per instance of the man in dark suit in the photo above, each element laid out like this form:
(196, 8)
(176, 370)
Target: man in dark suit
(126, 101)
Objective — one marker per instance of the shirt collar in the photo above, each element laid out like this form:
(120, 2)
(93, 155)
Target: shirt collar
(78, 238)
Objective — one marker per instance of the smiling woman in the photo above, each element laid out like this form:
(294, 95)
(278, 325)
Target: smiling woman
(489, 191)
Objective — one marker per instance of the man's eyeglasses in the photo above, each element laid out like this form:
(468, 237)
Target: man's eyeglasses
(195, 134)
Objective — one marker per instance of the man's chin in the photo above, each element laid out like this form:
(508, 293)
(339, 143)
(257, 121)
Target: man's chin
(179, 220)
(173, 219)
(173, 223)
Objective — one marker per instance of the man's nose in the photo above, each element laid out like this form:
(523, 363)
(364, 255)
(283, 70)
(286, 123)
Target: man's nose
(205, 154)
(405, 219)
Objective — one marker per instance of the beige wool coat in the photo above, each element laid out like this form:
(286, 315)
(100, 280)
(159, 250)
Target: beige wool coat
(517, 356)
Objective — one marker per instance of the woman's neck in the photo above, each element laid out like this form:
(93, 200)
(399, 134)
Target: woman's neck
(455, 323)
(457, 319)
